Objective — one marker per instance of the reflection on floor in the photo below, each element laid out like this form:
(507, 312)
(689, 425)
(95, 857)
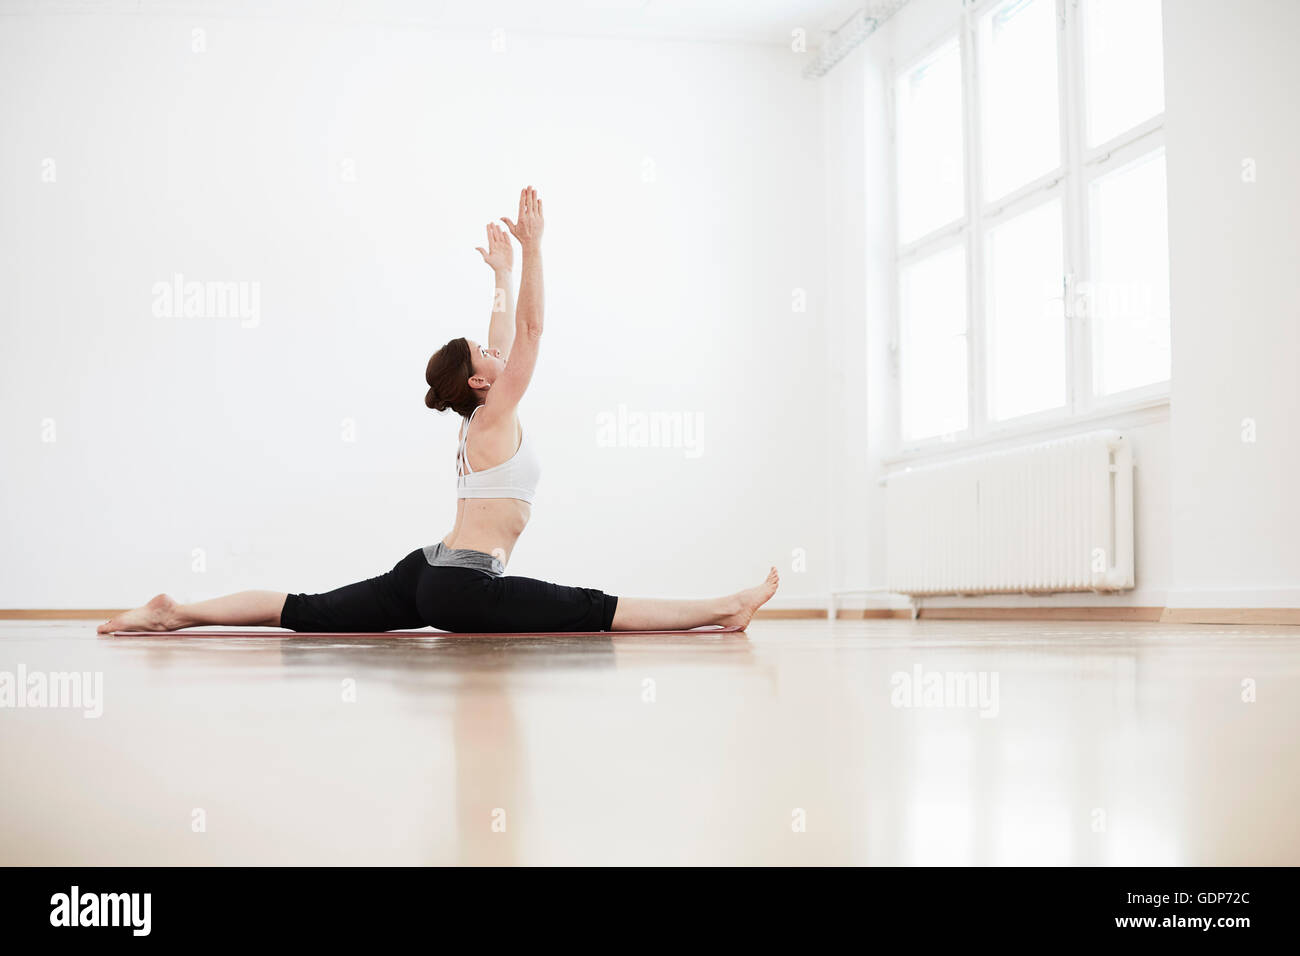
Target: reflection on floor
(803, 742)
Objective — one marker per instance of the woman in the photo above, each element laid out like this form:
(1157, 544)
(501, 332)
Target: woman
(459, 584)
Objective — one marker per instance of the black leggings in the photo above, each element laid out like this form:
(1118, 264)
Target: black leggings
(415, 594)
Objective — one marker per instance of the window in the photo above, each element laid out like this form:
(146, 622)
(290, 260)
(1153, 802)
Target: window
(1033, 264)
(931, 186)
(1124, 65)
(1026, 326)
(1019, 91)
(932, 301)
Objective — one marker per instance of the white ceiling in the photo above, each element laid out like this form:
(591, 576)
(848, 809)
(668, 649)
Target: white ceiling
(755, 21)
(748, 21)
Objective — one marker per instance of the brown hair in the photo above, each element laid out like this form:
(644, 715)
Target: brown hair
(448, 375)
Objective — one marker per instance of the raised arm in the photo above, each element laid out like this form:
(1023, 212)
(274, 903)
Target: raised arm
(500, 256)
(513, 382)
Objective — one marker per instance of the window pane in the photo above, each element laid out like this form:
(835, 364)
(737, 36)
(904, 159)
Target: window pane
(1018, 90)
(931, 188)
(1026, 314)
(1123, 65)
(932, 369)
(1128, 297)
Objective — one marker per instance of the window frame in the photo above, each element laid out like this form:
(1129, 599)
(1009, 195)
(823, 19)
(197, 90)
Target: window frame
(1071, 182)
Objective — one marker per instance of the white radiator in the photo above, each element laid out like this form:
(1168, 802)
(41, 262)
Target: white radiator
(1051, 517)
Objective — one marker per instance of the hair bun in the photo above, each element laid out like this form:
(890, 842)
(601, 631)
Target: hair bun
(447, 375)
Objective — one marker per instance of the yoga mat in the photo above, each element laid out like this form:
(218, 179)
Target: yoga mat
(269, 633)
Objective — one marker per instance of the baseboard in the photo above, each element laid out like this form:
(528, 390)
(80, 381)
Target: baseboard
(1162, 615)
(791, 614)
(1231, 615)
(978, 614)
(1085, 613)
(57, 614)
(1217, 599)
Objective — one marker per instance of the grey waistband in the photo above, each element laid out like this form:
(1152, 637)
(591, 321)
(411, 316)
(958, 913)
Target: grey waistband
(440, 556)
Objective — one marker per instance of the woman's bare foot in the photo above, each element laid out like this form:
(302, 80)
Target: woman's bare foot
(750, 600)
(160, 614)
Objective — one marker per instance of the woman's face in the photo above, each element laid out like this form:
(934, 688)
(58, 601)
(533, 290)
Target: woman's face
(487, 364)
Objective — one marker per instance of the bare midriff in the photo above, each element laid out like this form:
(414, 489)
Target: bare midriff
(490, 525)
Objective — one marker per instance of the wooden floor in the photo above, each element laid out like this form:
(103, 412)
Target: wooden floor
(799, 743)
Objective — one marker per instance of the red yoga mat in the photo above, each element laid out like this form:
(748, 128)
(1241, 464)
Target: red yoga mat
(270, 633)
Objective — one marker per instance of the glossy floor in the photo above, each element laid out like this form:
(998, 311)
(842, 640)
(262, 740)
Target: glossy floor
(802, 742)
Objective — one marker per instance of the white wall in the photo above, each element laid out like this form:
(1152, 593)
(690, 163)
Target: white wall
(1232, 82)
(176, 434)
(846, 199)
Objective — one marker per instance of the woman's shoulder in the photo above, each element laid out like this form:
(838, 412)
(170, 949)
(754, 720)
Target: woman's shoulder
(486, 418)
(496, 435)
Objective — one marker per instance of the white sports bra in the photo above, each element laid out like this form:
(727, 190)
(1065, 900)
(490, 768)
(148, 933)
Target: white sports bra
(515, 477)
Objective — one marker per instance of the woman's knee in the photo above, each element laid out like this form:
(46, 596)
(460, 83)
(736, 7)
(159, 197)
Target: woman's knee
(530, 605)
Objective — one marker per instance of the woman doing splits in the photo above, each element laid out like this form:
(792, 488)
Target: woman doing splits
(460, 584)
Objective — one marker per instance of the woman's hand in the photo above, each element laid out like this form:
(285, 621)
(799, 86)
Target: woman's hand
(528, 230)
(499, 254)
